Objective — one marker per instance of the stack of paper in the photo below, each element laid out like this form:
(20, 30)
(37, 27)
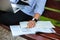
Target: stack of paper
(41, 26)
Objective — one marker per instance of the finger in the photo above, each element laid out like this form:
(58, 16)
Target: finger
(30, 25)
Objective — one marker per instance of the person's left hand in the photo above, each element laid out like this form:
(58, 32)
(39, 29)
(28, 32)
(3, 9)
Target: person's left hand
(31, 24)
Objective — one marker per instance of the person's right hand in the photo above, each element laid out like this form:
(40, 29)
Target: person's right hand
(31, 24)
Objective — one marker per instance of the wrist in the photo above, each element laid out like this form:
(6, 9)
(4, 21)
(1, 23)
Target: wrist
(34, 19)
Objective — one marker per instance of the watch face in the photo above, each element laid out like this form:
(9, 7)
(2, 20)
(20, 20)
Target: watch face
(34, 19)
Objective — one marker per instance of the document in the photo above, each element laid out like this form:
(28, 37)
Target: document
(41, 26)
(16, 30)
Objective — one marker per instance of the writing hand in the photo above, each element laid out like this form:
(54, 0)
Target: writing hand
(31, 24)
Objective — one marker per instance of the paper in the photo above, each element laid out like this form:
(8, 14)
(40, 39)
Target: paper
(39, 24)
(45, 30)
(21, 29)
(16, 30)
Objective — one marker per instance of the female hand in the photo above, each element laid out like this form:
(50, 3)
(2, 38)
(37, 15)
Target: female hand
(31, 24)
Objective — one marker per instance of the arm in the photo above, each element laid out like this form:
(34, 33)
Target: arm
(39, 8)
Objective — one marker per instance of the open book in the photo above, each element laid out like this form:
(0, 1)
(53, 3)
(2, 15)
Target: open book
(41, 26)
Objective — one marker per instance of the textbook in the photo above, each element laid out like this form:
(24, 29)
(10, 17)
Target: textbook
(41, 26)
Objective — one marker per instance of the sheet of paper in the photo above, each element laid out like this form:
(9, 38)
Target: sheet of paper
(39, 24)
(45, 30)
(16, 30)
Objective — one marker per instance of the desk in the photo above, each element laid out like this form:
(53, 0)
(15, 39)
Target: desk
(40, 36)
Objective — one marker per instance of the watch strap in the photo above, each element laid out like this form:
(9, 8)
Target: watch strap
(34, 19)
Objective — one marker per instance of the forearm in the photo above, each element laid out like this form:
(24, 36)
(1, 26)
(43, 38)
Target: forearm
(36, 16)
(39, 8)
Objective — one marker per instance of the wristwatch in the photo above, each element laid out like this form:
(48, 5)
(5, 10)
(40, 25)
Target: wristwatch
(34, 19)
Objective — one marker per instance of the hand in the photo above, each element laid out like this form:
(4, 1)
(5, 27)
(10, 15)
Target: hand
(31, 24)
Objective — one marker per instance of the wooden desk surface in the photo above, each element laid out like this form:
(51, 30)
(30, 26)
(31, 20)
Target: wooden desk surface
(41, 36)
